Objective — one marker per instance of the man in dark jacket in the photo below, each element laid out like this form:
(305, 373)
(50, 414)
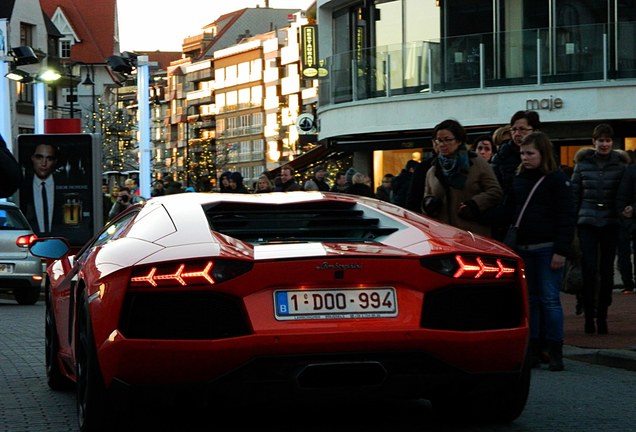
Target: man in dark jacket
(288, 181)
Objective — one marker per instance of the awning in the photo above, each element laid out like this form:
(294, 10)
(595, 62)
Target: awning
(316, 156)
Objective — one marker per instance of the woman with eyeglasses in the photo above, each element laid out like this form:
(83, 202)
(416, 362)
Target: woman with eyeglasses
(460, 185)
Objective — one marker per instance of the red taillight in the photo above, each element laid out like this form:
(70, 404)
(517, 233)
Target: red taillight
(208, 272)
(472, 266)
(481, 268)
(25, 240)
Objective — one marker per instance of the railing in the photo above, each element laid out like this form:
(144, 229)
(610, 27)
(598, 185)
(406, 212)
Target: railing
(537, 56)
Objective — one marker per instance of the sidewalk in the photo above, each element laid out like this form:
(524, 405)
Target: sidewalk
(616, 349)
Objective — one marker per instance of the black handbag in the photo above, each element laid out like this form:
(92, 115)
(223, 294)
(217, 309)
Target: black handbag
(510, 239)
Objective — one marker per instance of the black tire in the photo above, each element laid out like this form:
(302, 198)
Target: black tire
(93, 404)
(54, 377)
(498, 402)
(27, 296)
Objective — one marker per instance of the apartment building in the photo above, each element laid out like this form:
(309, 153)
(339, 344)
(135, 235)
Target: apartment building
(233, 103)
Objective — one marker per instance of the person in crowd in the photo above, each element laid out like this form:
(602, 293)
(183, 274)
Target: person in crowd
(597, 175)
(460, 185)
(131, 184)
(340, 184)
(545, 235)
(625, 202)
(124, 200)
(224, 182)
(349, 176)
(402, 182)
(317, 182)
(172, 186)
(263, 185)
(415, 194)
(107, 203)
(158, 190)
(484, 147)
(501, 135)
(236, 183)
(11, 173)
(384, 191)
(359, 186)
(288, 181)
(507, 159)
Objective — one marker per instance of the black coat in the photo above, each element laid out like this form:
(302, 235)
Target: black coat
(595, 183)
(550, 216)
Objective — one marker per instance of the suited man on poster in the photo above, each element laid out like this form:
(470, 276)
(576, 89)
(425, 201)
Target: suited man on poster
(38, 197)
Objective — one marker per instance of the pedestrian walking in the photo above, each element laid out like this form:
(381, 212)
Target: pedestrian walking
(595, 181)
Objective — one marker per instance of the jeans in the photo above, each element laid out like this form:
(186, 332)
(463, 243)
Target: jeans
(598, 253)
(544, 291)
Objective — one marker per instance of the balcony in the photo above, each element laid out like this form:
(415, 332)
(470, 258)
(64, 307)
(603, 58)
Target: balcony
(481, 61)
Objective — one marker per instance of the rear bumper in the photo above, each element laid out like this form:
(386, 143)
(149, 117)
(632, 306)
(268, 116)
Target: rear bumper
(407, 362)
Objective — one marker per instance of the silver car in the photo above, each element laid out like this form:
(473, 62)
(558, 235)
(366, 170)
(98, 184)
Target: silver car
(21, 273)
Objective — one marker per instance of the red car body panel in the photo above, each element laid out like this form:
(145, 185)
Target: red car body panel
(176, 228)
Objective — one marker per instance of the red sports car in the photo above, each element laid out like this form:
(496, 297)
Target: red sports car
(292, 294)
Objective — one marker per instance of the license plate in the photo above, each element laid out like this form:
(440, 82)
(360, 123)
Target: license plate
(6, 268)
(335, 303)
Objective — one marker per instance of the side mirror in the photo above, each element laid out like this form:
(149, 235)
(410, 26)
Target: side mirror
(49, 247)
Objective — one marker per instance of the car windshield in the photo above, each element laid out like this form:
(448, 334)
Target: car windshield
(12, 219)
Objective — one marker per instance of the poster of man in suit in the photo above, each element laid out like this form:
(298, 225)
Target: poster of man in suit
(57, 195)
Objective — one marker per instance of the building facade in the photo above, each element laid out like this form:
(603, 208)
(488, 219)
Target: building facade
(573, 61)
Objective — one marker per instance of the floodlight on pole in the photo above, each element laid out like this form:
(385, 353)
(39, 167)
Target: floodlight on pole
(19, 75)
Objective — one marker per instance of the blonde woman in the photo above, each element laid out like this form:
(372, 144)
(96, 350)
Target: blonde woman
(263, 185)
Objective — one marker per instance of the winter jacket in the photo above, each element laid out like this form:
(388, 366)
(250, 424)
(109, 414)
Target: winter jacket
(482, 190)
(595, 184)
(505, 164)
(550, 216)
(400, 185)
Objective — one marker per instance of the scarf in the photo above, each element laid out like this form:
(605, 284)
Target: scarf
(455, 167)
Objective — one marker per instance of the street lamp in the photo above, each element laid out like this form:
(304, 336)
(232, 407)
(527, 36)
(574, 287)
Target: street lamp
(8, 68)
(89, 81)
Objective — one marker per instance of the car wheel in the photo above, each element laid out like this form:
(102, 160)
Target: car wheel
(497, 402)
(27, 296)
(54, 377)
(92, 399)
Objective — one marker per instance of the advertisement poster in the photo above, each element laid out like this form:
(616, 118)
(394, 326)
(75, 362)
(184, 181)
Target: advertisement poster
(58, 193)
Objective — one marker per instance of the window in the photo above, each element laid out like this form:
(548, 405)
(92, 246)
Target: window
(26, 34)
(65, 48)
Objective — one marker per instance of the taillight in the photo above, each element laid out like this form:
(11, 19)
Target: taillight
(472, 266)
(187, 273)
(25, 240)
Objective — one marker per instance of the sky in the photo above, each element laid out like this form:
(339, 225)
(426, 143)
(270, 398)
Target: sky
(161, 25)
